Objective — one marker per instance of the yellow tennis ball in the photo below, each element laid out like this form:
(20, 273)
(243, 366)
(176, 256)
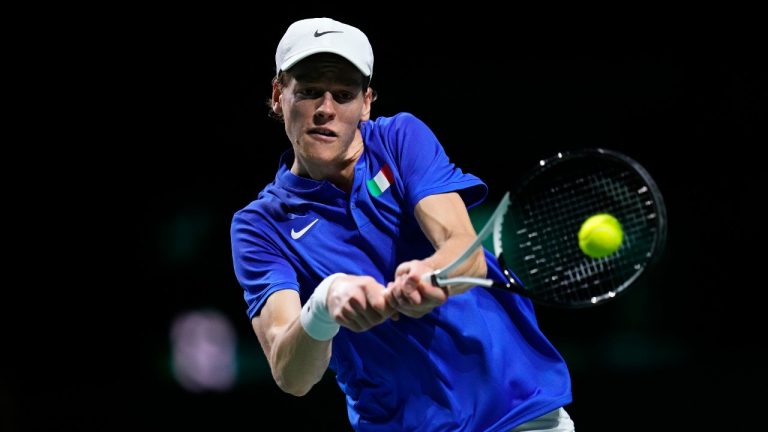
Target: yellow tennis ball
(600, 235)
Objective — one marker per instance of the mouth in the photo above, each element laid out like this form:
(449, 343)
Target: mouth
(323, 132)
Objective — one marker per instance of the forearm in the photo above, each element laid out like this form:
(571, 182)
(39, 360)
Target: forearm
(298, 358)
(298, 361)
(445, 222)
(451, 249)
(297, 339)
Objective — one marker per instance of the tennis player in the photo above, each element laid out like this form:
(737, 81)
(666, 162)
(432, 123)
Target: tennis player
(331, 252)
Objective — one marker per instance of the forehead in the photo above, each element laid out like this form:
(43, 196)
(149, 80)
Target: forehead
(327, 67)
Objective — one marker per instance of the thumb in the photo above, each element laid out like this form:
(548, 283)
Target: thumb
(391, 304)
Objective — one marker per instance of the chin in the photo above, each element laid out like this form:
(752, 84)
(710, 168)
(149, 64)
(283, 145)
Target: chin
(322, 154)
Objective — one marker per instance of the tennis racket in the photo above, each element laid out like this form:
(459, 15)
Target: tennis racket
(535, 230)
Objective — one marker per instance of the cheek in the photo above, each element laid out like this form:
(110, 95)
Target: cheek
(352, 115)
(290, 113)
(298, 110)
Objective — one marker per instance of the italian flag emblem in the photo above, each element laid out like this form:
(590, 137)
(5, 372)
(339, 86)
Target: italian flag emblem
(381, 181)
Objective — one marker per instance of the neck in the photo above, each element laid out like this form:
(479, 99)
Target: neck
(340, 172)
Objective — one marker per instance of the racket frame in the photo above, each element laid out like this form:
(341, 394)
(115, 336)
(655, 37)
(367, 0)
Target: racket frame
(511, 282)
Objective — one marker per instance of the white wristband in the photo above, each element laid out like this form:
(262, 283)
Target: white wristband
(315, 319)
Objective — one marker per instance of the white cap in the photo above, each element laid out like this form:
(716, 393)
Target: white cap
(317, 35)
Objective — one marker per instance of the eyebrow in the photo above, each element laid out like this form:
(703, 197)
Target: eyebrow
(315, 78)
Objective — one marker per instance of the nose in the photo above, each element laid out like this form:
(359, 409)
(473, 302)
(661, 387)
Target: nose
(325, 111)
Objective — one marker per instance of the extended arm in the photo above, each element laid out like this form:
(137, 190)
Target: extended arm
(445, 222)
(298, 360)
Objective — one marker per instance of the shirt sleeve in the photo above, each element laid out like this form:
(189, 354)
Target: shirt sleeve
(260, 267)
(425, 167)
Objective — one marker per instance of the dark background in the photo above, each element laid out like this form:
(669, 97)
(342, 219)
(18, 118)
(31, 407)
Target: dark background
(149, 131)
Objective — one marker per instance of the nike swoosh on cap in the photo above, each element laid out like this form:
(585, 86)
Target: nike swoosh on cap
(319, 33)
(297, 234)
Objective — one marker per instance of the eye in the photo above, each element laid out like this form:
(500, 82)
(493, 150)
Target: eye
(309, 93)
(344, 96)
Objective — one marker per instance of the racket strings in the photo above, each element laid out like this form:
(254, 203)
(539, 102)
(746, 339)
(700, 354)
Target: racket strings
(546, 249)
(580, 270)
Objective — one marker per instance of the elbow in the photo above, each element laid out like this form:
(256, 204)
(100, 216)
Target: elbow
(296, 382)
(293, 387)
(299, 392)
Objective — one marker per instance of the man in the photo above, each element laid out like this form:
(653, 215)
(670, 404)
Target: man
(360, 203)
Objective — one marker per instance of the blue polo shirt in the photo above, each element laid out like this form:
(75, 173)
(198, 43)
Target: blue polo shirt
(476, 363)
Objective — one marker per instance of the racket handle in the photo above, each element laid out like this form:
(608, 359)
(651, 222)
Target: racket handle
(430, 277)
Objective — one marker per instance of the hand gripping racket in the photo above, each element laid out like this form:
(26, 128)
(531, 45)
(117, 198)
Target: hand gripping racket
(535, 230)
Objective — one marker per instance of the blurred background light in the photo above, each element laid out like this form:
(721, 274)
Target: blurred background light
(203, 351)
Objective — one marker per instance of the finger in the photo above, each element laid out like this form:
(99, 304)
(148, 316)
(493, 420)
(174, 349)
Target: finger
(376, 296)
(427, 290)
(389, 296)
(349, 314)
(354, 321)
(391, 302)
(434, 294)
(370, 312)
(393, 294)
(403, 297)
(402, 269)
(375, 309)
(413, 292)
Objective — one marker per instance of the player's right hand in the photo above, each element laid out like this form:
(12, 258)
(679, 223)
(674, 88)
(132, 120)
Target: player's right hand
(357, 302)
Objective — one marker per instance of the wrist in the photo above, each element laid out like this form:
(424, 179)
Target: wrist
(315, 318)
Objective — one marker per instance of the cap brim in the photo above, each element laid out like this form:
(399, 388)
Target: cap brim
(291, 61)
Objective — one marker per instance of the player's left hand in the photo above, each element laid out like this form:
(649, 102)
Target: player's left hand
(410, 295)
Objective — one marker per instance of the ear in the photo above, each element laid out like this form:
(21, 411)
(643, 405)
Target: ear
(277, 106)
(367, 101)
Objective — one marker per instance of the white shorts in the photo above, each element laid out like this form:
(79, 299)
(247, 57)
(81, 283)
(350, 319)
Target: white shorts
(553, 421)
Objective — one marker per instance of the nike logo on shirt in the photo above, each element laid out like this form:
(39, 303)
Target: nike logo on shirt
(319, 33)
(297, 234)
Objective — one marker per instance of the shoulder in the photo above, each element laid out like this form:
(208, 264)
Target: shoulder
(395, 132)
(398, 121)
(259, 212)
